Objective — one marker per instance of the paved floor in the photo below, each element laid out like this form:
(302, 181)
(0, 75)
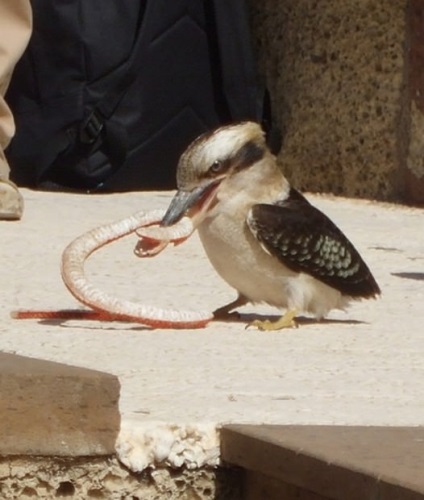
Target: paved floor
(361, 367)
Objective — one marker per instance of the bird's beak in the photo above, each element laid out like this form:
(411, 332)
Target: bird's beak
(198, 200)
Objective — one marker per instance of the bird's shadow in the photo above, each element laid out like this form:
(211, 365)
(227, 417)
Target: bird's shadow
(248, 318)
(234, 317)
(410, 276)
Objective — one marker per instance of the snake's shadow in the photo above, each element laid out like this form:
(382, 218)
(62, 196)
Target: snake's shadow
(101, 325)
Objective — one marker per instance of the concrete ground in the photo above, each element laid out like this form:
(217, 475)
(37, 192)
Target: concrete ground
(360, 367)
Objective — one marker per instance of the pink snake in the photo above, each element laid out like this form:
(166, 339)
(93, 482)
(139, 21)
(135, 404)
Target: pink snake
(104, 307)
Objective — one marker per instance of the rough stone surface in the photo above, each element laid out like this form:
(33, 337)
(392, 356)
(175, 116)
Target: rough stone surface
(341, 80)
(415, 72)
(105, 478)
(50, 408)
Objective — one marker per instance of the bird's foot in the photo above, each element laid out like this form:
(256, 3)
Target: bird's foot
(286, 321)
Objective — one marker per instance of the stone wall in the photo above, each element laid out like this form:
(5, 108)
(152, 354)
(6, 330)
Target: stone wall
(340, 78)
(105, 478)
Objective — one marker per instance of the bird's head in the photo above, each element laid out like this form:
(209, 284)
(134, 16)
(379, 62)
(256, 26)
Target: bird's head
(209, 162)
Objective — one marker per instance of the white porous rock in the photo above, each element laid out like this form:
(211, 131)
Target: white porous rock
(151, 444)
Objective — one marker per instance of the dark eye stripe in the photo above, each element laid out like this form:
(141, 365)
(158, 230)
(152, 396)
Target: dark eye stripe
(247, 155)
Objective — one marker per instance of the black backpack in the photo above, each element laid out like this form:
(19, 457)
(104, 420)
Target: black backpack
(110, 92)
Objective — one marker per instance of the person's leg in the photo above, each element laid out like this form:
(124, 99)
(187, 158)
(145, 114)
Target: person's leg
(15, 30)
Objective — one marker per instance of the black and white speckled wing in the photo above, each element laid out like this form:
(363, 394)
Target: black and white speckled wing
(306, 240)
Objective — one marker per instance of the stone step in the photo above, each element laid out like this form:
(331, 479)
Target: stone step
(327, 462)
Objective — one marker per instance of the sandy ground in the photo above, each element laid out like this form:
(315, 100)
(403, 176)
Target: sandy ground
(364, 366)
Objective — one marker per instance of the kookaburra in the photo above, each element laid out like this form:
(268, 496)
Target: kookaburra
(262, 236)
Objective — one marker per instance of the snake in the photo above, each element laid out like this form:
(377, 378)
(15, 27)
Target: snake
(153, 239)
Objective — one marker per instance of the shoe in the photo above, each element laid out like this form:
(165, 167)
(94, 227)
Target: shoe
(11, 201)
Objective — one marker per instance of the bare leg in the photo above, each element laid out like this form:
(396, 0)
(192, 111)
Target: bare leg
(224, 312)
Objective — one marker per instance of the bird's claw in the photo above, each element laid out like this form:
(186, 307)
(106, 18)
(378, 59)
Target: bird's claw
(286, 321)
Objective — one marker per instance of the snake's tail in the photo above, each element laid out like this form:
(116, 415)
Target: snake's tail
(58, 314)
(91, 315)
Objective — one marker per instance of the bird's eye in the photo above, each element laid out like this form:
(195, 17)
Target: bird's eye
(217, 167)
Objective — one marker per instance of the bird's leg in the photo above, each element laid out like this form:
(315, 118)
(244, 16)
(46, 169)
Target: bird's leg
(224, 312)
(286, 321)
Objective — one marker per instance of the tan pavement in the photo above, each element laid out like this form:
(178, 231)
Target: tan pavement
(361, 367)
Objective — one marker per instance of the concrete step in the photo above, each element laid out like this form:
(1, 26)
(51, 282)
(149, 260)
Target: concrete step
(327, 462)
